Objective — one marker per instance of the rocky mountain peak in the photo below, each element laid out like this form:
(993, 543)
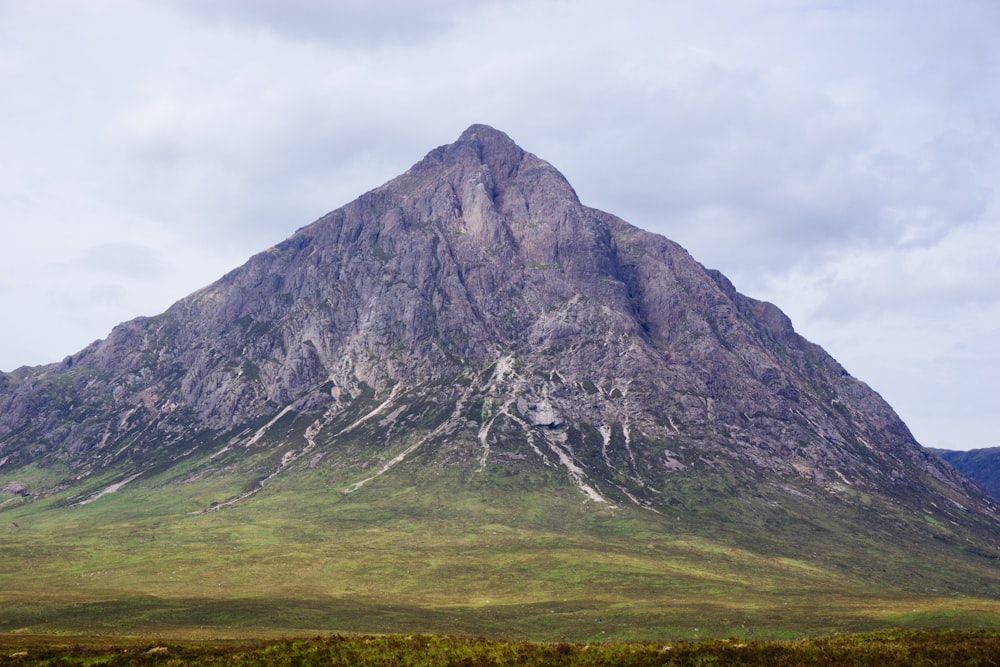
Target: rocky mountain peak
(479, 151)
(493, 148)
(474, 311)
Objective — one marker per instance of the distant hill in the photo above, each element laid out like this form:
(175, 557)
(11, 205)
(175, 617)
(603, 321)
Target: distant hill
(982, 465)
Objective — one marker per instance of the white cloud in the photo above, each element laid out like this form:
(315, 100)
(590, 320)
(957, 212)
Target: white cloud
(918, 323)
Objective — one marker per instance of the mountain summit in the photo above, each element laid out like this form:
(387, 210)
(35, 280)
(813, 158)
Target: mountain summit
(477, 286)
(472, 319)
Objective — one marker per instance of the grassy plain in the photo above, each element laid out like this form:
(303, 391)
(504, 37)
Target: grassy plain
(438, 552)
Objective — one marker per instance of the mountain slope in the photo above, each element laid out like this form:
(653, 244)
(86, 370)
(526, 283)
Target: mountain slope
(981, 465)
(470, 332)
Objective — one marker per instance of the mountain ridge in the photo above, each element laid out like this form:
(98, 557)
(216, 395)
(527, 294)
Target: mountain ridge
(469, 334)
(501, 253)
(981, 465)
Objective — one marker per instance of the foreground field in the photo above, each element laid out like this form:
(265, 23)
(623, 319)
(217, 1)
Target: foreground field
(448, 556)
(885, 648)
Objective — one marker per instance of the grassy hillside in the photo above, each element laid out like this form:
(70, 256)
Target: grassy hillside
(438, 550)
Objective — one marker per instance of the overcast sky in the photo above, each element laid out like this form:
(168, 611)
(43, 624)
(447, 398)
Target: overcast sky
(836, 157)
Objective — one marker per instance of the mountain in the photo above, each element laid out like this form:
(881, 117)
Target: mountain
(981, 465)
(470, 337)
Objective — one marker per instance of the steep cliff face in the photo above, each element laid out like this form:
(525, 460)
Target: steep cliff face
(472, 311)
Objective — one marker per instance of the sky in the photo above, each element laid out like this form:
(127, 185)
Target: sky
(838, 158)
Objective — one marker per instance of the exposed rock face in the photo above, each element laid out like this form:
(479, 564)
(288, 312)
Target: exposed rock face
(473, 307)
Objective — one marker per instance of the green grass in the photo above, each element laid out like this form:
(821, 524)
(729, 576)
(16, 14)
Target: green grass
(435, 546)
(437, 550)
